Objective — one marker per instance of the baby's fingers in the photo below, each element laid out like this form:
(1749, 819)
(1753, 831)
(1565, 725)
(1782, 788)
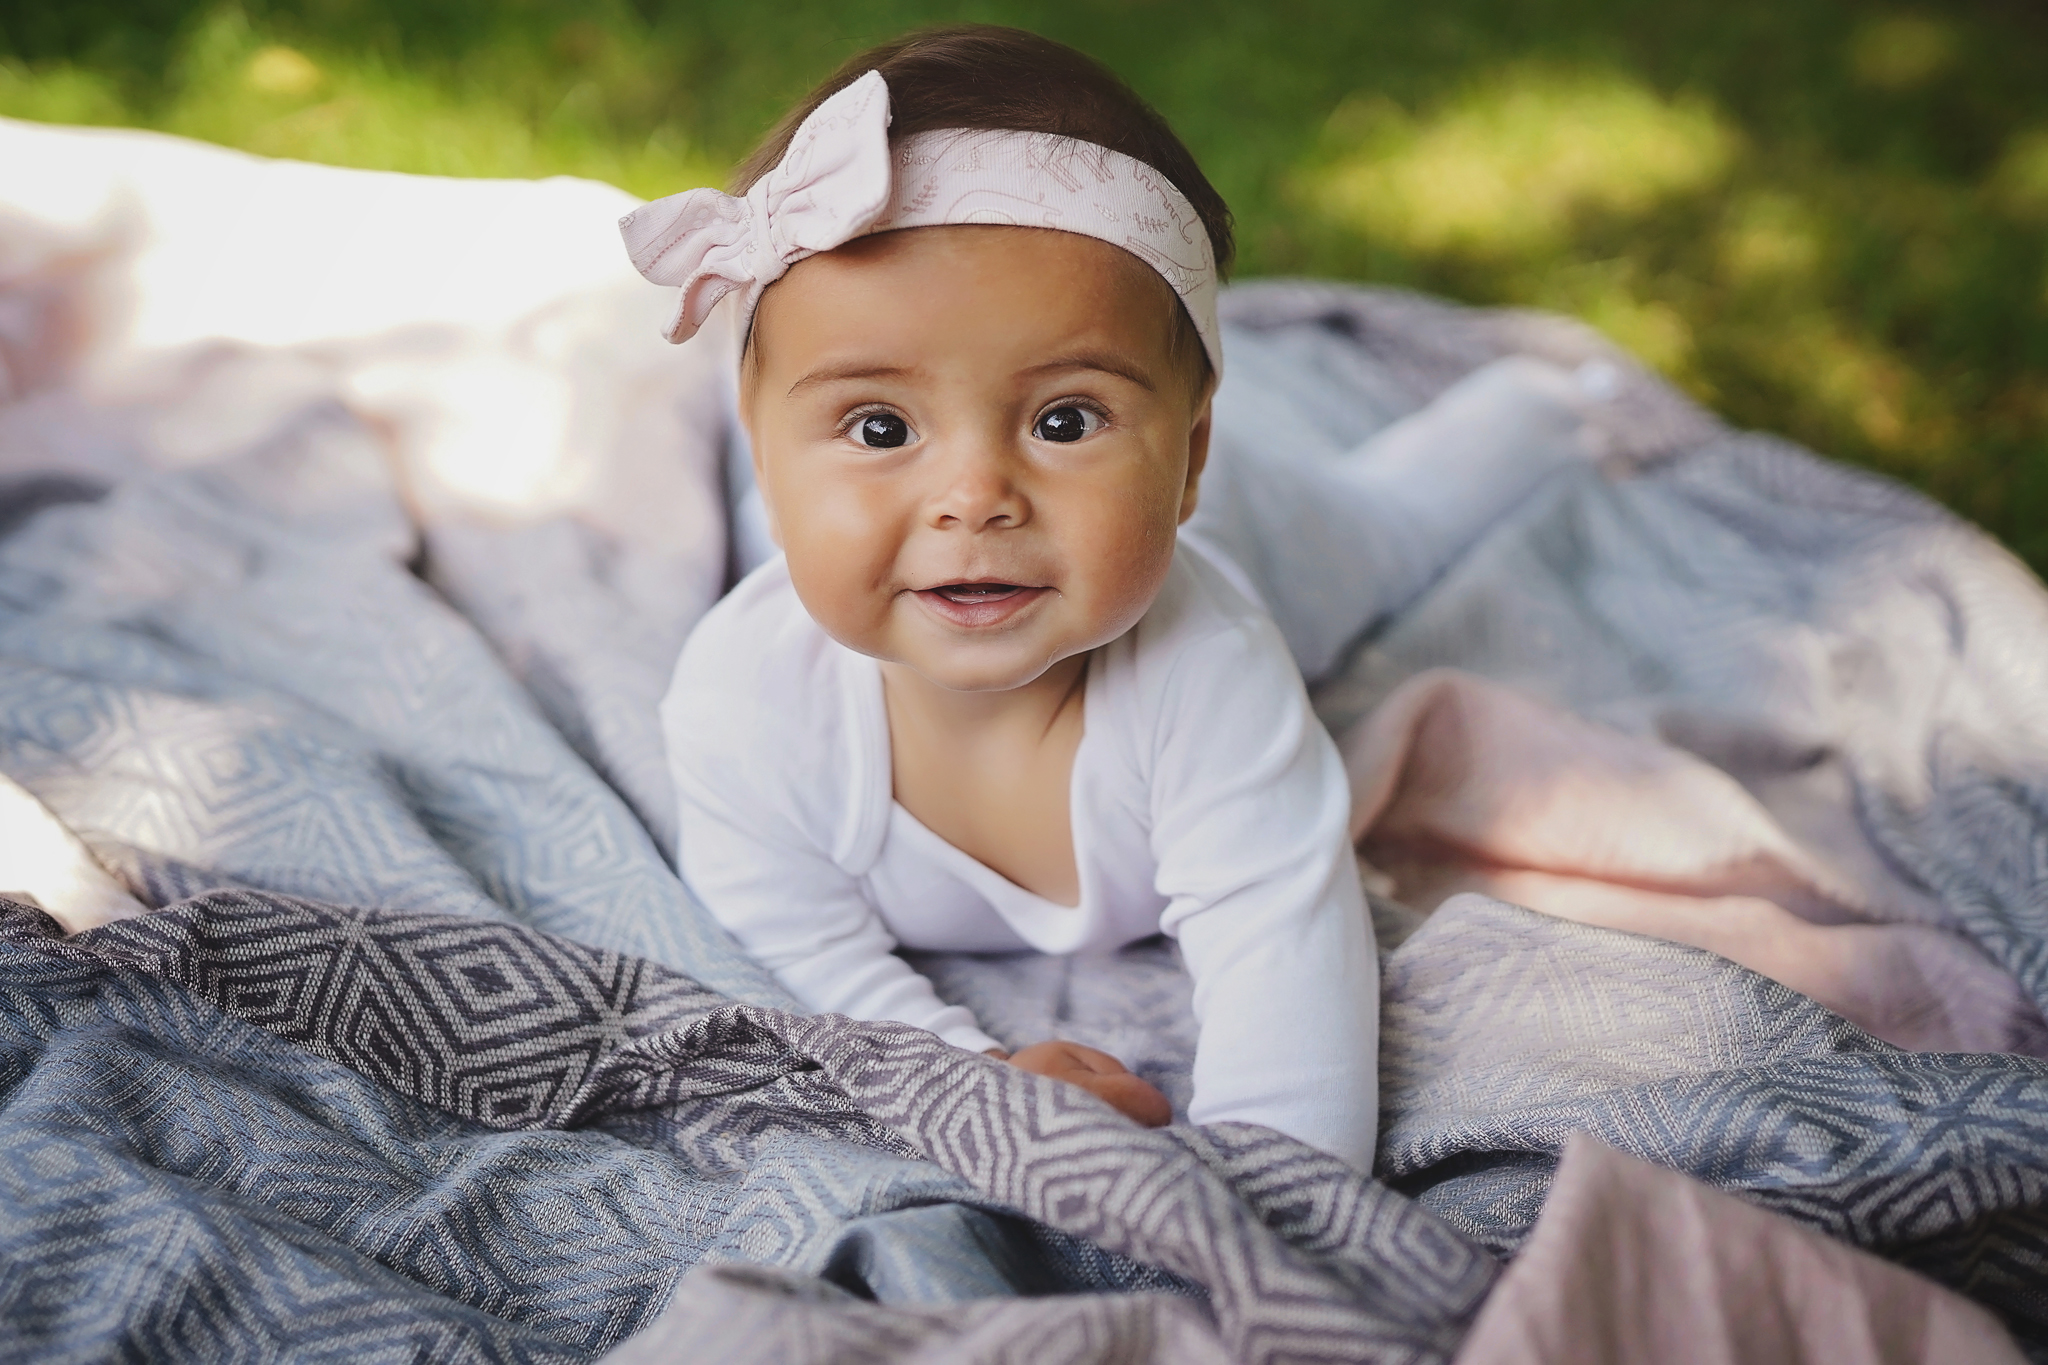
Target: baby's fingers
(1101, 1075)
(1064, 1060)
(1095, 1060)
(1133, 1096)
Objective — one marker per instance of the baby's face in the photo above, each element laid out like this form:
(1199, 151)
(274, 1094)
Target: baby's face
(976, 445)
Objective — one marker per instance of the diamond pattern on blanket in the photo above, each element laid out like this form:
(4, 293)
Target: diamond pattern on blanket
(1689, 1061)
(1314, 1264)
(175, 1185)
(507, 1030)
(747, 1315)
(1932, 1160)
(230, 677)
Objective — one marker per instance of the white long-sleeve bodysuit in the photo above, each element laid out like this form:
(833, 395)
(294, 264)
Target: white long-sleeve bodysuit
(1207, 802)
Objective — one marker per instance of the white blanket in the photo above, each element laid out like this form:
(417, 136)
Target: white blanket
(166, 303)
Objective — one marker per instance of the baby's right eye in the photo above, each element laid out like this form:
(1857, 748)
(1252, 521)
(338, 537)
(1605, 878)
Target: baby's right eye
(882, 430)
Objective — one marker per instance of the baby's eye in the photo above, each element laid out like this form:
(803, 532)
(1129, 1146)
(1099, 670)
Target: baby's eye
(1068, 423)
(882, 430)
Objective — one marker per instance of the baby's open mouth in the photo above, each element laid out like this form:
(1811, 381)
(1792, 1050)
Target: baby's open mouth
(976, 606)
(974, 594)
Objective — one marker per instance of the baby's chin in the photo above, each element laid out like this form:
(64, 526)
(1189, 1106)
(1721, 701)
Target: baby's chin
(1004, 664)
(975, 670)
(989, 665)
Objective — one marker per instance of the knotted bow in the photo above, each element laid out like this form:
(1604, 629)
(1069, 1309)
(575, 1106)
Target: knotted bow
(828, 188)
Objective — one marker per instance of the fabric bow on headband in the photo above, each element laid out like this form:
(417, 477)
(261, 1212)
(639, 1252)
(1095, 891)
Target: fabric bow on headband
(838, 181)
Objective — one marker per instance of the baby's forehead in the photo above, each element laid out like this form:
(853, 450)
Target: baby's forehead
(1074, 257)
(978, 277)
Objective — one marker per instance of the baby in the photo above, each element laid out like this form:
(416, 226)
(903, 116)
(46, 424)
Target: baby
(989, 698)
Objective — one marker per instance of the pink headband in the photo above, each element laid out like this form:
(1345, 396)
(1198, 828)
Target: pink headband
(837, 182)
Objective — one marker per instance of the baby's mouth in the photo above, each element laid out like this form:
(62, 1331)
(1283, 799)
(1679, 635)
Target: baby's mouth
(976, 605)
(976, 594)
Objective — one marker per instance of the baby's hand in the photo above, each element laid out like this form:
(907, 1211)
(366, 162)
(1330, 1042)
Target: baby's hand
(1099, 1074)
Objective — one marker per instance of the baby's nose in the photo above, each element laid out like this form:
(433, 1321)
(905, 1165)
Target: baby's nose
(981, 493)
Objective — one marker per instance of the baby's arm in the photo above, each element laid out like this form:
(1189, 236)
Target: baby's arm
(801, 916)
(1251, 815)
(805, 920)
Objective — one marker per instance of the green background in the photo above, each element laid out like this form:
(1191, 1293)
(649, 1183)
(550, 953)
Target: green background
(1826, 219)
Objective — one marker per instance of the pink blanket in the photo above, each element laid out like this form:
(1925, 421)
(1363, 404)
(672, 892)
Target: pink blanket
(1630, 1262)
(1459, 784)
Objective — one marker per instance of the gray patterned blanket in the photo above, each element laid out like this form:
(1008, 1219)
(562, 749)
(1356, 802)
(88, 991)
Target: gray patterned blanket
(521, 1100)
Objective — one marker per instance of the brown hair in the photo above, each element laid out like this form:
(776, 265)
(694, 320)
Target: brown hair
(988, 76)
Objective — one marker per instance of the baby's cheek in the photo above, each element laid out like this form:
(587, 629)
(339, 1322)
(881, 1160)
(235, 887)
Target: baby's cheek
(1130, 566)
(834, 581)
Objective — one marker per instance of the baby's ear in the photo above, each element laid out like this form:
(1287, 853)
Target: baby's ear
(767, 502)
(1198, 459)
(746, 414)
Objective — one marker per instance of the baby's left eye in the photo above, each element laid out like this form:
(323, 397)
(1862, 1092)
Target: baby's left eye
(1068, 423)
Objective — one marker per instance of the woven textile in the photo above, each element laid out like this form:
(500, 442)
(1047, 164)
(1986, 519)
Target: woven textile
(256, 1125)
(547, 1246)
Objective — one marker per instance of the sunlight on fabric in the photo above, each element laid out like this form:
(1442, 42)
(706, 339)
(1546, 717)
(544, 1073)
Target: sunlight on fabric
(484, 427)
(45, 862)
(230, 246)
(491, 333)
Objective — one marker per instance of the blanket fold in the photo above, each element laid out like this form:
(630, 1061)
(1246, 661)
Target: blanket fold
(1631, 1263)
(1506, 1031)
(1300, 1257)
(1460, 784)
(498, 1028)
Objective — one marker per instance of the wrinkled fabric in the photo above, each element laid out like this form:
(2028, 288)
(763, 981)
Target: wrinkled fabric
(1463, 785)
(670, 1095)
(239, 648)
(500, 398)
(464, 1136)
(1632, 1263)
(46, 866)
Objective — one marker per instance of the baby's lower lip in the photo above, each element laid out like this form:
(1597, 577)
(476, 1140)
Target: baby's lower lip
(979, 604)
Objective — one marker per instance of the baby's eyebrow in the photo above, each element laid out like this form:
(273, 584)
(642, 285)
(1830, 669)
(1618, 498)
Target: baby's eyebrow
(1103, 361)
(834, 373)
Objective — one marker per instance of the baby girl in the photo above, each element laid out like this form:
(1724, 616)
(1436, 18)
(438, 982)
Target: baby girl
(988, 698)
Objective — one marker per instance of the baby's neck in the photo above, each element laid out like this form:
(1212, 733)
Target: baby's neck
(989, 771)
(1034, 708)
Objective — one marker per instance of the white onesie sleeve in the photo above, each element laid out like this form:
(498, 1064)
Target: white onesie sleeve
(756, 848)
(1250, 828)
(806, 921)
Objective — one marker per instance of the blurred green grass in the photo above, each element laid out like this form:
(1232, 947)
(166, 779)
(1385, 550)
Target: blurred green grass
(1825, 218)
